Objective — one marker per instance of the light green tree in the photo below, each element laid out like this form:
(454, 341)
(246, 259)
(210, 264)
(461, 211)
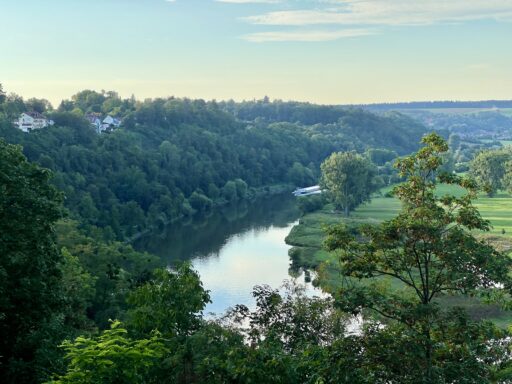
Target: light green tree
(112, 358)
(489, 169)
(348, 180)
(427, 251)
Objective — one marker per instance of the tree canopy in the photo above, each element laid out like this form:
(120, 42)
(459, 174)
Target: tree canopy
(348, 180)
(30, 274)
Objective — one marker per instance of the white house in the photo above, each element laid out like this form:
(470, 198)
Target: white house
(108, 123)
(95, 121)
(112, 121)
(32, 120)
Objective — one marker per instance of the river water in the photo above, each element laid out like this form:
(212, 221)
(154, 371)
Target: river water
(233, 249)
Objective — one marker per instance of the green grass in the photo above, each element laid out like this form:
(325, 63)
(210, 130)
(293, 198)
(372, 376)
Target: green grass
(307, 237)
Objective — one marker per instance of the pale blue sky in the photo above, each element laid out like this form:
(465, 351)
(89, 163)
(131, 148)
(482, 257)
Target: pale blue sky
(325, 51)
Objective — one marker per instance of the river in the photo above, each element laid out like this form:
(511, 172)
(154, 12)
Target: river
(233, 249)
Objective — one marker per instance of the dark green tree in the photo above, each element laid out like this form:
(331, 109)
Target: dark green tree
(170, 302)
(427, 251)
(30, 274)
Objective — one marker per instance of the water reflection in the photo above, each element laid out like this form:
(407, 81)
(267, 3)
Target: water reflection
(233, 249)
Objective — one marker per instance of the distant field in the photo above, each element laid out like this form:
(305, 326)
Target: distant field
(506, 142)
(498, 210)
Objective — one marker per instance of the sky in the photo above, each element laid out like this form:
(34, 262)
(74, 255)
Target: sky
(321, 51)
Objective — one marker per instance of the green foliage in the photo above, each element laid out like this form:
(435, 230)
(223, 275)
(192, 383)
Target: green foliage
(427, 250)
(310, 203)
(114, 269)
(144, 174)
(381, 156)
(30, 275)
(170, 302)
(491, 169)
(348, 180)
(291, 320)
(113, 357)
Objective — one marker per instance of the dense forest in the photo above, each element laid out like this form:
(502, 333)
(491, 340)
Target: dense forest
(78, 310)
(175, 157)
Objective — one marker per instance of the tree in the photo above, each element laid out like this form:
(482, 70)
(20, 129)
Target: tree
(113, 358)
(2, 94)
(426, 251)
(381, 156)
(170, 302)
(30, 273)
(348, 180)
(38, 105)
(489, 169)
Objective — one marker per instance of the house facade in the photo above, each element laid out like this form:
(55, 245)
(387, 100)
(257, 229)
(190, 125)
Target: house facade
(29, 121)
(107, 124)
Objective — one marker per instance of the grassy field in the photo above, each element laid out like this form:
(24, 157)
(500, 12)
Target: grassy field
(307, 237)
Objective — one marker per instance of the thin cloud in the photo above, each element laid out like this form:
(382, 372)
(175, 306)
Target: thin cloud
(305, 36)
(389, 12)
(249, 1)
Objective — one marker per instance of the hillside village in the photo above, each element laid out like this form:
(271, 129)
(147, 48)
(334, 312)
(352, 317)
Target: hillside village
(29, 121)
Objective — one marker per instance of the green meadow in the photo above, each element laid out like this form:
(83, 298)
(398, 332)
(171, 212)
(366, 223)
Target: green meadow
(307, 238)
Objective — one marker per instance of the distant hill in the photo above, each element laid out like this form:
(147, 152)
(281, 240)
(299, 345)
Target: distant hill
(483, 104)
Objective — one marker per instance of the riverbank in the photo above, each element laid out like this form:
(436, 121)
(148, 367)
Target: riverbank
(233, 249)
(252, 194)
(306, 240)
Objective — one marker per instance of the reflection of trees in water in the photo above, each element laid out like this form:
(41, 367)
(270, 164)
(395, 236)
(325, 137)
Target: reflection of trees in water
(201, 236)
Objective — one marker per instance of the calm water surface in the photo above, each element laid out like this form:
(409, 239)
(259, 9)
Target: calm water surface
(233, 249)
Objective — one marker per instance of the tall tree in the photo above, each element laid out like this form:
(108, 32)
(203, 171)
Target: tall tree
(427, 251)
(29, 263)
(348, 179)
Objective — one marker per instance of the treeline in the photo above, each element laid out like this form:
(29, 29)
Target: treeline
(438, 105)
(174, 157)
(392, 131)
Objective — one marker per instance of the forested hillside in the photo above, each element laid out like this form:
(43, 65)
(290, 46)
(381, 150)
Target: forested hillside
(173, 157)
(339, 124)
